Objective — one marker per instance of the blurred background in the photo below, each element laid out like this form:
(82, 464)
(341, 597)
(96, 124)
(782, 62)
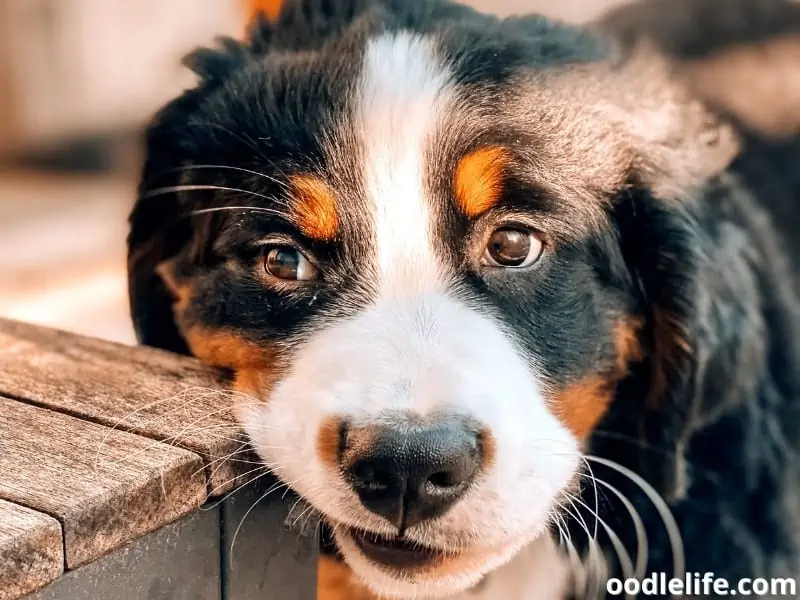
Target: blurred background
(78, 81)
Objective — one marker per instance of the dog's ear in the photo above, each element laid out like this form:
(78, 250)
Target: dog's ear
(161, 231)
(662, 245)
(676, 142)
(740, 56)
(157, 235)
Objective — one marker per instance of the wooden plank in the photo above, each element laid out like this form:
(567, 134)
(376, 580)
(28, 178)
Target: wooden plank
(156, 394)
(31, 551)
(177, 562)
(105, 487)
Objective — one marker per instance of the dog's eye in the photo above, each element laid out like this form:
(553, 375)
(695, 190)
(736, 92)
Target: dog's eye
(287, 263)
(512, 248)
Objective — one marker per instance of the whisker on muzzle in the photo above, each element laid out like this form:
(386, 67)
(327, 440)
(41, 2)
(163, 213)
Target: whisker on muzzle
(671, 526)
(642, 542)
(619, 548)
(278, 485)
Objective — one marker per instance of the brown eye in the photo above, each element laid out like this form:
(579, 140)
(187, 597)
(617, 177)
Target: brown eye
(289, 264)
(512, 248)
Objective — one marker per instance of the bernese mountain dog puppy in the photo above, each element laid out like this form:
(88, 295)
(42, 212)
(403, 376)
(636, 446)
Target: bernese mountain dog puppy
(512, 304)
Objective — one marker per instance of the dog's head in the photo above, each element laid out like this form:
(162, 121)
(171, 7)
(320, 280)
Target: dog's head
(431, 245)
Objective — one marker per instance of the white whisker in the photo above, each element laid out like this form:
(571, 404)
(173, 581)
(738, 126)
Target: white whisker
(642, 543)
(228, 168)
(278, 485)
(624, 558)
(673, 532)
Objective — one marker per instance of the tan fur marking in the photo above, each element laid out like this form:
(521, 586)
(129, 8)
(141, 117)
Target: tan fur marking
(329, 442)
(583, 404)
(488, 449)
(250, 381)
(315, 207)
(180, 291)
(669, 347)
(255, 367)
(335, 581)
(629, 349)
(478, 181)
(225, 349)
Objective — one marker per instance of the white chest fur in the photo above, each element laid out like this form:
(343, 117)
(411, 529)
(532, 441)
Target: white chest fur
(539, 572)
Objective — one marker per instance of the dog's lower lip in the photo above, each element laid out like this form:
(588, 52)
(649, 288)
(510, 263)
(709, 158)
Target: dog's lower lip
(394, 552)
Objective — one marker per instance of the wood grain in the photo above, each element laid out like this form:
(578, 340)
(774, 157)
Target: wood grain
(105, 487)
(156, 394)
(31, 551)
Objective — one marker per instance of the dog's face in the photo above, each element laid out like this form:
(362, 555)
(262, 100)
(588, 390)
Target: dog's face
(402, 237)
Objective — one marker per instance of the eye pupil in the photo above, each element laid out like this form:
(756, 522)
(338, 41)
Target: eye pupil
(510, 247)
(283, 263)
(289, 264)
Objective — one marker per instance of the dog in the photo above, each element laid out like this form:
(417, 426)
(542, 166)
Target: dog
(511, 303)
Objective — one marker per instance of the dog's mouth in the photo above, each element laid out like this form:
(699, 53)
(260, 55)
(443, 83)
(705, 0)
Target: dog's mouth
(394, 553)
(397, 553)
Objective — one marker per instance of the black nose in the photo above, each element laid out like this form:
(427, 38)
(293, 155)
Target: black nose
(411, 473)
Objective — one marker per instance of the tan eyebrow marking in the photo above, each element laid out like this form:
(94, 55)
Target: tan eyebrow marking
(315, 207)
(478, 181)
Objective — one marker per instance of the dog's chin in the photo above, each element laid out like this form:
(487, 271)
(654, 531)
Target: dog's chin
(402, 569)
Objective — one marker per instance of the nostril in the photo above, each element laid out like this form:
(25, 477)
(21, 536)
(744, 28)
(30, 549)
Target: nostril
(453, 480)
(367, 477)
(445, 479)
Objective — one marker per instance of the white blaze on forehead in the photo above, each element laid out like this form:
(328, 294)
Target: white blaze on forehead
(416, 350)
(403, 94)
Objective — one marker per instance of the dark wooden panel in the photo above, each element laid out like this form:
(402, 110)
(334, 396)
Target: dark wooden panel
(285, 567)
(156, 394)
(105, 487)
(31, 551)
(177, 562)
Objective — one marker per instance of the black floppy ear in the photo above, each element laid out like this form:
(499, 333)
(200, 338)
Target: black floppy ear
(162, 232)
(156, 235)
(159, 229)
(663, 248)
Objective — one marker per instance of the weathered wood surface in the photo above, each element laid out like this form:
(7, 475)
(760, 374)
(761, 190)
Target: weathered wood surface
(107, 445)
(155, 394)
(105, 487)
(31, 551)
